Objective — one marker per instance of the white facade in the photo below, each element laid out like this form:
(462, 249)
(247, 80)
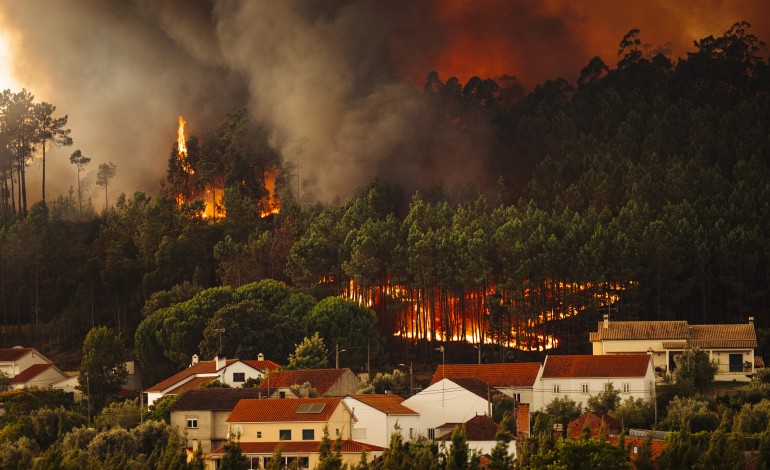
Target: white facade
(19, 365)
(237, 373)
(580, 389)
(376, 427)
(445, 402)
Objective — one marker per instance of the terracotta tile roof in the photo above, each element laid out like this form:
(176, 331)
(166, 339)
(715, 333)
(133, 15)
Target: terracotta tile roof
(31, 372)
(213, 399)
(641, 330)
(191, 384)
(207, 367)
(203, 367)
(262, 365)
(739, 335)
(13, 354)
(272, 410)
(477, 387)
(611, 425)
(675, 344)
(320, 379)
(507, 374)
(301, 447)
(478, 428)
(387, 403)
(759, 362)
(615, 365)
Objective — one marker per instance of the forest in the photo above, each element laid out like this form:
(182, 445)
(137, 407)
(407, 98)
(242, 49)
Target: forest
(641, 191)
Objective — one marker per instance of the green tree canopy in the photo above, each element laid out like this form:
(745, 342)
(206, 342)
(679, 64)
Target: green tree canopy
(103, 370)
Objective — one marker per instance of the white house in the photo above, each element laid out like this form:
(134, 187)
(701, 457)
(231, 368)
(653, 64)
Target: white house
(377, 417)
(27, 368)
(450, 401)
(480, 433)
(233, 372)
(731, 346)
(514, 379)
(579, 377)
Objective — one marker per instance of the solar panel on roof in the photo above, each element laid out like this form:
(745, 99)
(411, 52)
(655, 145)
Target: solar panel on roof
(304, 408)
(316, 407)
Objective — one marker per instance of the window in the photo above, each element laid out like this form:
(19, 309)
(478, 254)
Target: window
(431, 433)
(284, 434)
(555, 388)
(626, 388)
(308, 435)
(337, 431)
(192, 423)
(517, 397)
(259, 434)
(584, 389)
(411, 433)
(281, 394)
(239, 376)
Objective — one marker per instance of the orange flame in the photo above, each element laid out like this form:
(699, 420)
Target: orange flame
(182, 148)
(273, 204)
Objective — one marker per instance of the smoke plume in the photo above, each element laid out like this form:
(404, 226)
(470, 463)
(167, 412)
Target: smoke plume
(338, 82)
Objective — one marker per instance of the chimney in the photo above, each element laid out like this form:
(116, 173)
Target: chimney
(751, 320)
(606, 320)
(221, 361)
(260, 357)
(194, 359)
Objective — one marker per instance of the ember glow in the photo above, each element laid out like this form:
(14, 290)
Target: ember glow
(527, 323)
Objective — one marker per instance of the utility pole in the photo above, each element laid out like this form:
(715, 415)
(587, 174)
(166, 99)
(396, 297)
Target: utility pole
(337, 352)
(220, 331)
(411, 382)
(443, 374)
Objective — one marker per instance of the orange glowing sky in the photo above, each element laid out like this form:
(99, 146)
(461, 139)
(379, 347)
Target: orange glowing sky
(538, 40)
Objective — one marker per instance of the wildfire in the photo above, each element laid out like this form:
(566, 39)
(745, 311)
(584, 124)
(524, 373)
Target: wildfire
(273, 204)
(182, 148)
(465, 317)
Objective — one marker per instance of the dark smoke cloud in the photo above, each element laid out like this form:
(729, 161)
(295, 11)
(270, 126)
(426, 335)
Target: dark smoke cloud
(337, 82)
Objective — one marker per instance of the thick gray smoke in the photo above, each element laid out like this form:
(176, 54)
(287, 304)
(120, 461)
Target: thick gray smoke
(337, 82)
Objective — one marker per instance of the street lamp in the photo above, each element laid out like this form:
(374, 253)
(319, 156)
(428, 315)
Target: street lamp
(411, 383)
(479, 349)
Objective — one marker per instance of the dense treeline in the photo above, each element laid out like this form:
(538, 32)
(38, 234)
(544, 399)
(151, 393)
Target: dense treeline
(642, 188)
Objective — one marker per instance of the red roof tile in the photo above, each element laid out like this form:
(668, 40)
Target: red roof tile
(303, 447)
(387, 403)
(203, 367)
(191, 384)
(612, 426)
(272, 410)
(477, 387)
(31, 372)
(478, 428)
(207, 367)
(615, 365)
(13, 354)
(507, 374)
(320, 379)
(262, 365)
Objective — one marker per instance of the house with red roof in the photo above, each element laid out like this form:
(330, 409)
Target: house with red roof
(233, 372)
(300, 383)
(201, 415)
(731, 346)
(514, 379)
(578, 377)
(377, 416)
(27, 367)
(450, 401)
(480, 433)
(297, 427)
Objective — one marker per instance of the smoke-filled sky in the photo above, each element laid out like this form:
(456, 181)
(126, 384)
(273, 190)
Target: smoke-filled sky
(337, 82)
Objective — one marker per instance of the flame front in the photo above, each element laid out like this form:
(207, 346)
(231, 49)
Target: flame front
(184, 163)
